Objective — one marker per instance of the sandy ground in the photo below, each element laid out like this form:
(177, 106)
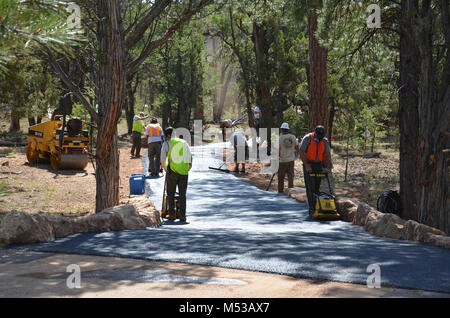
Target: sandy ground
(37, 188)
(47, 277)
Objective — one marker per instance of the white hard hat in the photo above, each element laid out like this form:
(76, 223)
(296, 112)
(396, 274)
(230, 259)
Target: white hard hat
(285, 126)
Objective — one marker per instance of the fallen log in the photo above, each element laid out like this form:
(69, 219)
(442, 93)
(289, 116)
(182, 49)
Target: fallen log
(10, 172)
(372, 155)
(12, 144)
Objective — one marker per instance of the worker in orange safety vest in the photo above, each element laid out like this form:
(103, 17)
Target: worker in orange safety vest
(155, 136)
(315, 152)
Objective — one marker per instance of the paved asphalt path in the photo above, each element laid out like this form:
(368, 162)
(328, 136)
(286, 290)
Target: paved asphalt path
(236, 225)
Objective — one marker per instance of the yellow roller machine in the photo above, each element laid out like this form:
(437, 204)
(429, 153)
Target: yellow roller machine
(65, 144)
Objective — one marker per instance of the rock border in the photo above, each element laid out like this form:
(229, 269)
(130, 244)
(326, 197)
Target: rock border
(381, 224)
(23, 228)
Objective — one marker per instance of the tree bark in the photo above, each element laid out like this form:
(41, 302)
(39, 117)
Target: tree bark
(223, 95)
(424, 121)
(261, 47)
(318, 87)
(130, 102)
(112, 81)
(14, 123)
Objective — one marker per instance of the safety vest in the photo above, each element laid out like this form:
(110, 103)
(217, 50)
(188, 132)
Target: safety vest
(154, 130)
(138, 126)
(315, 149)
(178, 156)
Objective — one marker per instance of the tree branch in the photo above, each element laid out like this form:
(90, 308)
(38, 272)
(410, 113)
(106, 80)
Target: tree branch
(142, 26)
(173, 28)
(70, 85)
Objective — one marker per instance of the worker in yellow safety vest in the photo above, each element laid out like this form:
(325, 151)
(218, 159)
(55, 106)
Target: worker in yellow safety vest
(155, 136)
(176, 159)
(137, 130)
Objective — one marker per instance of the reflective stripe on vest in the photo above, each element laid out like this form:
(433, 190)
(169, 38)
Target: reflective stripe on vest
(154, 130)
(178, 156)
(138, 126)
(315, 149)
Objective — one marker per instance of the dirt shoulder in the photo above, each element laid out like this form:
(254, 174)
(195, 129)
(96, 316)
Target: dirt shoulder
(35, 188)
(130, 278)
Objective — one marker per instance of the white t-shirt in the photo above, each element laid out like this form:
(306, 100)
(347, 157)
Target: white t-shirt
(287, 143)
(240, 138)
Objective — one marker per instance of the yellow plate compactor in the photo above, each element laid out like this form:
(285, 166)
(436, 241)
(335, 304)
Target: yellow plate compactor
(65, 144)
(325, 203)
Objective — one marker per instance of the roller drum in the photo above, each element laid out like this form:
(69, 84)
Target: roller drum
(70, 161)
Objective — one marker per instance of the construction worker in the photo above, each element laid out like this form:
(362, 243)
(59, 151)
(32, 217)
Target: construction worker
(176, 159)
(155, 134)
(315, 153)
(138, 129)
(288, 147)
(241, 152)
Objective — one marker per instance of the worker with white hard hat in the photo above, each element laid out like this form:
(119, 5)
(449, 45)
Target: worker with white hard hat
(288, 147)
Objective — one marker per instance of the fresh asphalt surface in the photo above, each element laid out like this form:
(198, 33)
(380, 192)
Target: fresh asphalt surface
(236, 225)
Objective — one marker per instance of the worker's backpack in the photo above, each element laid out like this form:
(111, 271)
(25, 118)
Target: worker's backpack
(389, 202)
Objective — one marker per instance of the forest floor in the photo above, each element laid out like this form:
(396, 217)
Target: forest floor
(37, 188)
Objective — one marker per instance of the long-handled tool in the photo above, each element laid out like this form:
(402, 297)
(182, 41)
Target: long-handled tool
(164, 209)
(271, 179)
(163, 213)
(219, 169)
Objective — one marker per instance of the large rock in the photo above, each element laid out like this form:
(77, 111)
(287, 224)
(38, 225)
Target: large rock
(372, 220)
(347, 208)
(298, 194)
(437, 240)
(390, 225)
(20, 227)
(415, 231)
(362, 213)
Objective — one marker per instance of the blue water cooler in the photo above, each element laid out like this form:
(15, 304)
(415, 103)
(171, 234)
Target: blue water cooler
(137, 183)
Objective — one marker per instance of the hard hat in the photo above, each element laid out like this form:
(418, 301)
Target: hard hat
(320, 132)
(285, 126)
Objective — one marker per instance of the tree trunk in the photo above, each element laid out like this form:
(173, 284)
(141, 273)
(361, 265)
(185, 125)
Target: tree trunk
(424, 122)
(129, 106)
(112, 92)
(330, 124)
(15, 123)
(31, 121)
(223, 95)
(318, 90)
(217, 111)
(261, 47)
